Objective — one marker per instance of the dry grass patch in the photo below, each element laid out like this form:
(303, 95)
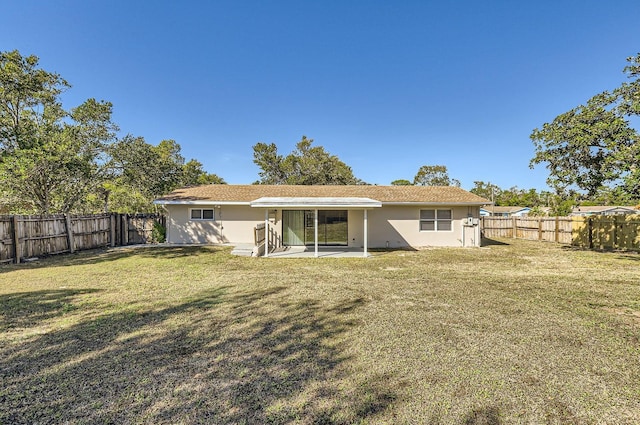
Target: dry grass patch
(521, 332)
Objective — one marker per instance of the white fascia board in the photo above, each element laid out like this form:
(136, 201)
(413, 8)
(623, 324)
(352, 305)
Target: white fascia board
(318, 206)
(311, 202)
(203, 202)
(446, 204)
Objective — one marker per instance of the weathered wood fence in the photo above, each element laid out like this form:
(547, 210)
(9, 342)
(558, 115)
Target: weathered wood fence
(24, 237)
(608, 232)
(552, 229)
(618, 232)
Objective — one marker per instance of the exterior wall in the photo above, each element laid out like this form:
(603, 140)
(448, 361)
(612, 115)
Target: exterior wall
(355, 229)
(399, 227)
(389, 226)
(232, 224)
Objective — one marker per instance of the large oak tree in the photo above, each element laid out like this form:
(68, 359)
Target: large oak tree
(593, 147)
(306, 165)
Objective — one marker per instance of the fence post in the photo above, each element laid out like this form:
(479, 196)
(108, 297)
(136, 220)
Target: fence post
(16, 239)
(515, 228)
(112, 230)
(67, 220)
(539, 228)
(590, 231)
(615, 232)
(557, 235)
(125, 230)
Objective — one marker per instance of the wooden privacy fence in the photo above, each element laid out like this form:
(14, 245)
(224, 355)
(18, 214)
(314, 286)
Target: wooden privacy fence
(33, 236)
(620, 232)
(552, 229)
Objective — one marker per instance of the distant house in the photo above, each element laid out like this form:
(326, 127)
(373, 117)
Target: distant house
(351, 216)
(504, 211)
(603, 210)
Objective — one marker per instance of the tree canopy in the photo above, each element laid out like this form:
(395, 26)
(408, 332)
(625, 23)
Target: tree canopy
(429, 175)
(401, 182)
(559, 205)
(593, 147)
(434, 175)
(55, 160)
(306, 165)
(147, 172)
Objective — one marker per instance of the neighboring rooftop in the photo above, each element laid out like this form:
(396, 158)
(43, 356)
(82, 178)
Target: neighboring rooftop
(604, 209)
(503, 209)
(244, 194)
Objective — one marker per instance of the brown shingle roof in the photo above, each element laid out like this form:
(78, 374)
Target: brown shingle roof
(503, 209)
(600, 208)
(385, 194)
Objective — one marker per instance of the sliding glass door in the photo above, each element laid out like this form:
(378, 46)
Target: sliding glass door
(299, 227)
(293, 228)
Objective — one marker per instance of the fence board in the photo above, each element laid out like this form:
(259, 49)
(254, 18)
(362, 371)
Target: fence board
(6, 239)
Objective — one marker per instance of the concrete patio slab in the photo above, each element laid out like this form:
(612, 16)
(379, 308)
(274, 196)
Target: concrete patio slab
(323, 252)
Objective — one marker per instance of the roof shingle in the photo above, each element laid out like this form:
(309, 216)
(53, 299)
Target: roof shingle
(385, 194)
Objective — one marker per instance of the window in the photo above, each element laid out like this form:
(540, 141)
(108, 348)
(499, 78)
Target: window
(201, 214)
(435, 220)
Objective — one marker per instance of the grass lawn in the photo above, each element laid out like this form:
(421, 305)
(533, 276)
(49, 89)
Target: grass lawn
(517, 332)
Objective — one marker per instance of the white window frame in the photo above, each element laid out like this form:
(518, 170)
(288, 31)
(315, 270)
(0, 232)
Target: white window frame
(435, 220)
(202, 210)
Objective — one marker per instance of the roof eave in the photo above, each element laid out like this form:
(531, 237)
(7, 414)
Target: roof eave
(315, 202)
(465, 204)
(198, 202)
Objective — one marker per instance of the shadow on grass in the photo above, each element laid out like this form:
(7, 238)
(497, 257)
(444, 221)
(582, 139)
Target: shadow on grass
(378, 252)
(633, 255)
(24, 309)
(101, 255)
(492, 242)
(218, 358)
(483, 416)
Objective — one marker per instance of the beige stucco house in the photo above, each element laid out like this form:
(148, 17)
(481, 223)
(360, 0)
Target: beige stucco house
(350, 216)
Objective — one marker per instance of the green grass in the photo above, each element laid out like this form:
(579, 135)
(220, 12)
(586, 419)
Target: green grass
(518, 332)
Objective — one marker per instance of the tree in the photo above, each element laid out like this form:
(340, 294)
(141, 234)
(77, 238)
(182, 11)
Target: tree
(142, 172)
(193, 174)
(401, 182)
(593, 146)
(149, 170)
(53, 160)
(266, 157)
(50, 159)
(486, 190)
(434, 175)
(27, 95)
(64, 161)
(306, 165)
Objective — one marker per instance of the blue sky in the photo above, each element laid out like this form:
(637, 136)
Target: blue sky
(387, 86)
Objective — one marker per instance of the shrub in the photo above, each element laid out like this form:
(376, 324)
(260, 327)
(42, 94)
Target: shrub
(159, 233)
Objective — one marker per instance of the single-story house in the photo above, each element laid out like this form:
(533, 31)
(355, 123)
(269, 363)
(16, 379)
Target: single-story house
(504, 211)
(359, 216)
(603, 210)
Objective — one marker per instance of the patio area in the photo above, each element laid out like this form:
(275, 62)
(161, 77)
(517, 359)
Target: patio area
(323, 252)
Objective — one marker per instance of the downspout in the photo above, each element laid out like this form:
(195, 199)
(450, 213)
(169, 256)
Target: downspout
(464, 241)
